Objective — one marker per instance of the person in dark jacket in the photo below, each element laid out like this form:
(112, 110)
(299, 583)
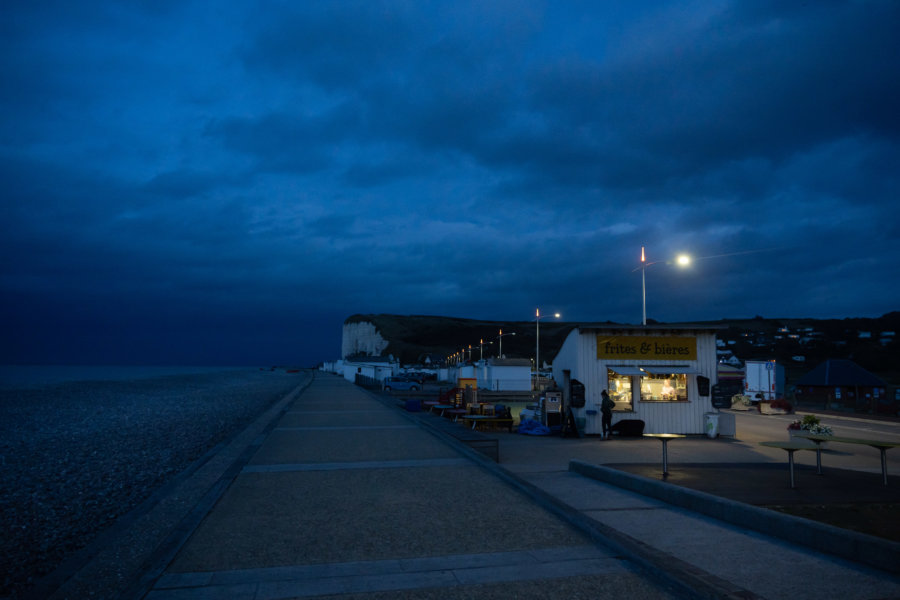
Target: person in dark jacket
(606, 406)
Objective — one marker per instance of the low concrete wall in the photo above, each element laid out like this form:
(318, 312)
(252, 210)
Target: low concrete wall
(850, 545)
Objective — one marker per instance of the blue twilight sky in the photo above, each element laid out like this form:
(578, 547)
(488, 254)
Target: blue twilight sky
(224, 182)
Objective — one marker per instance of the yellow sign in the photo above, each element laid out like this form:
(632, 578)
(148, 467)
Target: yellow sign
(628, 347)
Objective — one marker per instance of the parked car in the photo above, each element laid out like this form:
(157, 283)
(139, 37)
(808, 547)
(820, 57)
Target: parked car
(401, 383)
(410, 377)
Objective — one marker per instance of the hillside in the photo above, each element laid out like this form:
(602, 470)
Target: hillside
(413, 337)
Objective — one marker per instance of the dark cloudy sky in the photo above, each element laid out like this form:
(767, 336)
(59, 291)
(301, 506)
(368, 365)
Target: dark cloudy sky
(224, 182)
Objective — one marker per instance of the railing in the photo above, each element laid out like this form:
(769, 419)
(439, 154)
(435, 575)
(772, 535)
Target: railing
(367, 382)
(501, 396)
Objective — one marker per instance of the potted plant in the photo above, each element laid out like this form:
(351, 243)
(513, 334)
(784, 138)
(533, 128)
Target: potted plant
(809, 424)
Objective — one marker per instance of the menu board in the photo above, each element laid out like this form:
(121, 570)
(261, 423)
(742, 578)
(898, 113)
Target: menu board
(723, 391)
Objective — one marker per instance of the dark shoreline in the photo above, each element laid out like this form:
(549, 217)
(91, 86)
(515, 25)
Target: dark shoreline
(75, 457)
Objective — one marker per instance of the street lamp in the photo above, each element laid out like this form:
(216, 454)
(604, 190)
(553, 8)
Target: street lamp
(481, 347)
(537, 338)
(500, 337)
(682, 260)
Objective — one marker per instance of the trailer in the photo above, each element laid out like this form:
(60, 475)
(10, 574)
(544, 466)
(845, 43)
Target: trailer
(763, 380)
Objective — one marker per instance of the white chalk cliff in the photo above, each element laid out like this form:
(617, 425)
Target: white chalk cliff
(362, 338)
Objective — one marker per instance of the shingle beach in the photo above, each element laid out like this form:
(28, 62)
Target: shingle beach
(76, 456)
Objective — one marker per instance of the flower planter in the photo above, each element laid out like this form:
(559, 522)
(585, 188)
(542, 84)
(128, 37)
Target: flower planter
(792, 436)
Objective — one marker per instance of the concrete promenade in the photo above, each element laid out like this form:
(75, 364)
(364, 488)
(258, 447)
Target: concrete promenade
(346, 496)
(339, 493)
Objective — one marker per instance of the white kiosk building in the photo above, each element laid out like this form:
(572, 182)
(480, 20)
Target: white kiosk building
(659, 374)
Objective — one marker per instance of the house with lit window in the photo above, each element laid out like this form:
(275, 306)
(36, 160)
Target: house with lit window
(659, 374)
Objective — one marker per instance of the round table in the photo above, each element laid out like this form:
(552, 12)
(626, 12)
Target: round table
(664, 438)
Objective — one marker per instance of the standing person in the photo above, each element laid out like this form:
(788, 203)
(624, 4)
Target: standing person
(606, 406)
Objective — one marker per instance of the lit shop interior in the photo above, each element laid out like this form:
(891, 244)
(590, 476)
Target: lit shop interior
(653, 387)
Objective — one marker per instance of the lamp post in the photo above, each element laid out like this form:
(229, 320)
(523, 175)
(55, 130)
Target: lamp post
(537, 338)
(481, 347)
(500, 337)
(682, 260)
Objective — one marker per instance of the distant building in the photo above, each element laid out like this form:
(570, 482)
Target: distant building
(506, 375)
(844, 385)
(368, 369)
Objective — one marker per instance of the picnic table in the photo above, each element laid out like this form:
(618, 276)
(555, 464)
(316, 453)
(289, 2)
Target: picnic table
(881, 445)
(664, 438)
(440, 408)
(792, 447)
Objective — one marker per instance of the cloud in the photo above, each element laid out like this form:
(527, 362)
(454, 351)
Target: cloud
(166, 164)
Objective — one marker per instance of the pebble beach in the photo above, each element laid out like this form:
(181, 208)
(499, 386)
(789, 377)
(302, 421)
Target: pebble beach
(75, 456)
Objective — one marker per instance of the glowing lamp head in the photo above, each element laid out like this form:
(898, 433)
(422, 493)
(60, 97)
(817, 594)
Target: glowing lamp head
(683, 260)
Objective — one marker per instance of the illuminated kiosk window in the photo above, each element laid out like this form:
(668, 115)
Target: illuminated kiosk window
(664, 387)
(619, 387)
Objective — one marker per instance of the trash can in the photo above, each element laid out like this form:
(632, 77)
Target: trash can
(712, 424)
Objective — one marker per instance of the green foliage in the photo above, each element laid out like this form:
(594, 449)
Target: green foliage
(809, 421)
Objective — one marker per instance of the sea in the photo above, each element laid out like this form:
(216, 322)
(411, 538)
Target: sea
(38, 376)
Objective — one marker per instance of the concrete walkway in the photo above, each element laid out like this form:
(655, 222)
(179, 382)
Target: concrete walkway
(347, 496)
(338, 492)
